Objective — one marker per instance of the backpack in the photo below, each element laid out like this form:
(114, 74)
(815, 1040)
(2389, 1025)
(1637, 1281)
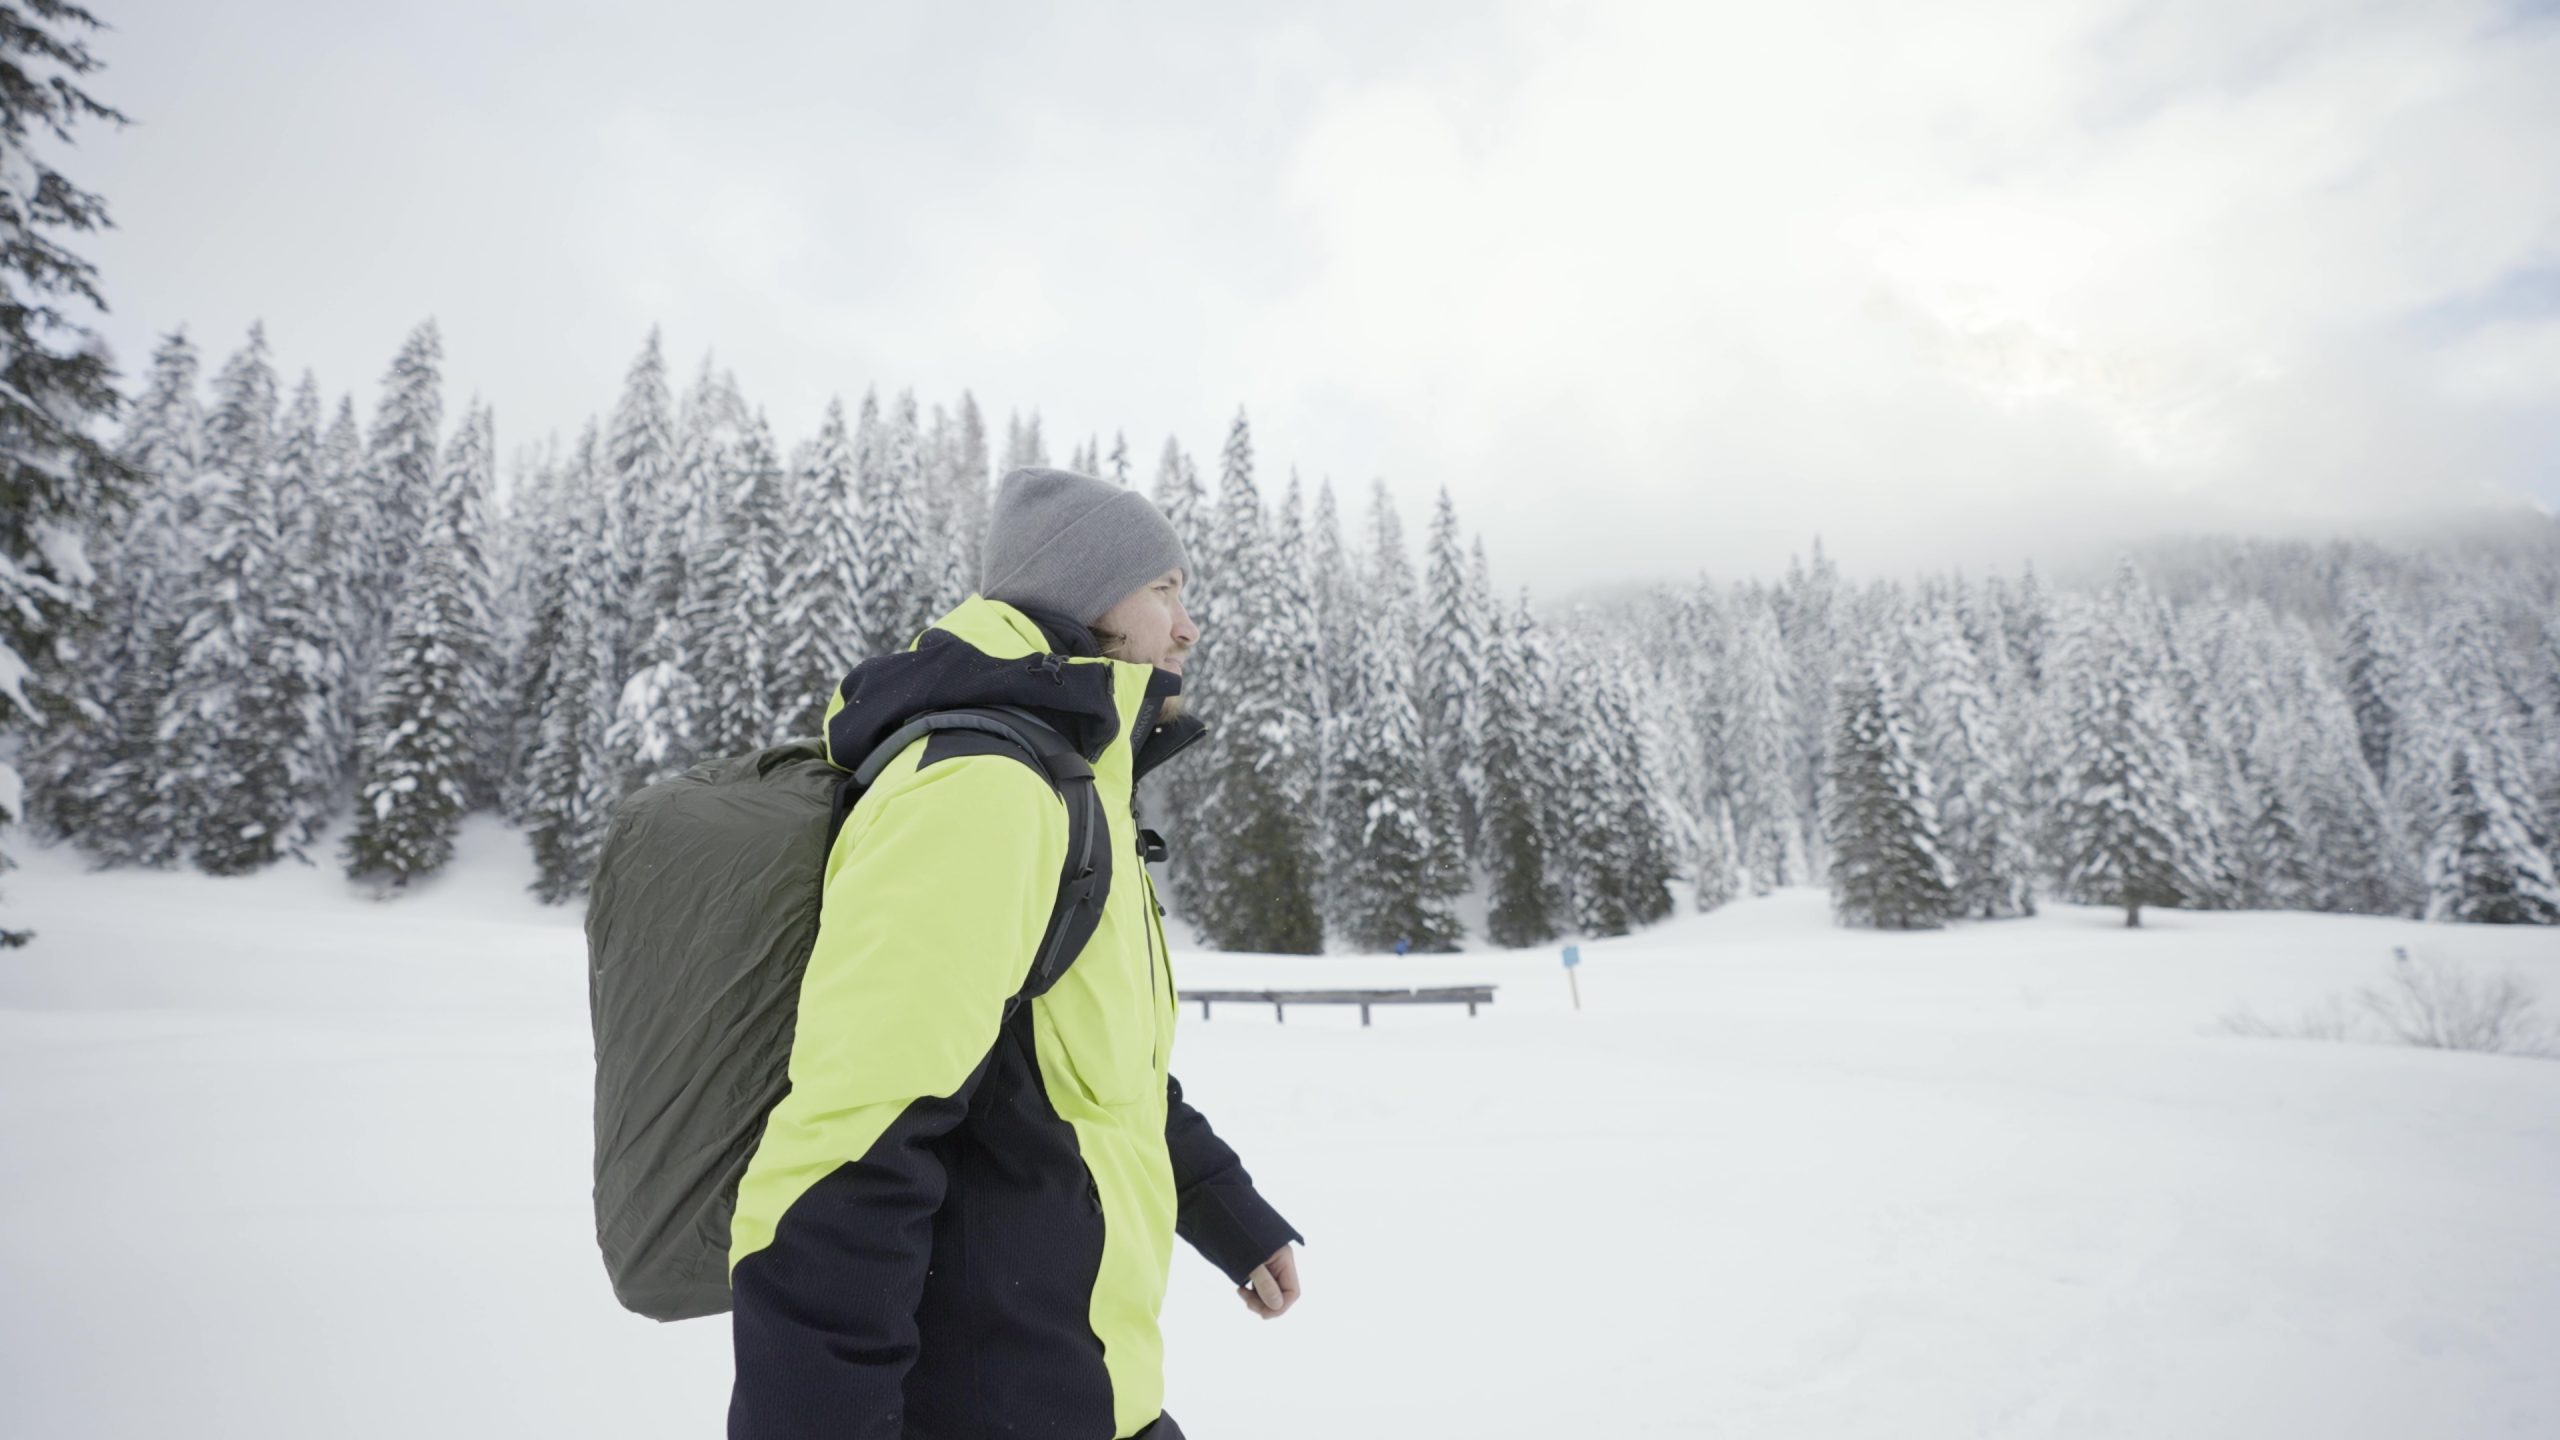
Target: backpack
(699, 924)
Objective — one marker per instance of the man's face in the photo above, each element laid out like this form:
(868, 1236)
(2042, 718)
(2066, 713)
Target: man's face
(1159, 630)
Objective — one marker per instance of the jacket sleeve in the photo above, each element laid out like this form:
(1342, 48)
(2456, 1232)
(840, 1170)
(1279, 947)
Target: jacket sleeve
(932, 908)
(1219, 1212)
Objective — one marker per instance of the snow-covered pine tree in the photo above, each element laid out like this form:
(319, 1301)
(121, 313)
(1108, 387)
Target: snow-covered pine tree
(231, 723)
(1333, 594)
(1759, 758)
(2490, 722)
(1612, 839)
(1391, 583)
(735, 628)
(1666, 680)
(2276, 855)
(1334, 585)
(2027, 620)
(970, 480)
(400, 475)
(307, 616)
(1299, 638)
(1888, 870)
(954, 580)
(824, 578)
(2547, 728)
(2422, 744)
(1175, 804)
(955, 486)
(1386, 871)
(1200, 868)
(941, 489)
(1451, 671)
(1185, 504)
(903, 454)
(59, 486)
(1967, 754)
(1807, 607)
(2127, 820)
(899, 568)
(2375, 667)
(1579, 798)
(708, 427)
(1260, 865)
(2225, 793)
(1480, 604)
(1396, 594)
(650, 735)
(1518, 757)
(2361, 862)
(640, 468)
(1023, 446)
(2272, 863)
(421, 740)
(1696, 765)
(1718, 867)
(57, 480)
(92, 776)
(2496, 703)
(353, 525)
(571, 784)
(1119, 462)
(2033, 703)
(2482, 863)
(532, 587)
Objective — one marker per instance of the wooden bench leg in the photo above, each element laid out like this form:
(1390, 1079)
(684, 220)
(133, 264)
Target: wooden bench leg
(1279, 1013)
(1471, 1009)
(1204, 1009)
(1364, 1014)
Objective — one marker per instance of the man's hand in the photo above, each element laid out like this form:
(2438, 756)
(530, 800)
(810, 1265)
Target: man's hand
(1275, 1284)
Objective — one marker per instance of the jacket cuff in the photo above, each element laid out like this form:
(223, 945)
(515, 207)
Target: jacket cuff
(1233, 1228)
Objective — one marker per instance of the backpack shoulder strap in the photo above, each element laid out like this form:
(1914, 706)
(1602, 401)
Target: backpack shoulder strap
(1086, 876)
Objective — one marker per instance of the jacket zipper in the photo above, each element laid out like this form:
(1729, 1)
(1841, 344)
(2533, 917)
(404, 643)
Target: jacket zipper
(1155, 942)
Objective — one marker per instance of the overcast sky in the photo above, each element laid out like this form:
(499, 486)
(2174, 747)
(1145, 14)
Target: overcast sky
(1653, 289)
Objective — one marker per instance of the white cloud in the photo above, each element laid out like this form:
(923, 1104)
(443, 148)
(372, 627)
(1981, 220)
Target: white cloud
(1649, 287)
(1891, 271)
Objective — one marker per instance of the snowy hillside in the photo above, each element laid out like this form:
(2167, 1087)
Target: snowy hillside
(284, 1162)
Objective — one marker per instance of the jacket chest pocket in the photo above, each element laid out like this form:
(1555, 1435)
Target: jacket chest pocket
(1105, 1016)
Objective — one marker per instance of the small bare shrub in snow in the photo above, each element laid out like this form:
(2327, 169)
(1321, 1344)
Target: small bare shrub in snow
(2436, 1003)
(2432, 1002)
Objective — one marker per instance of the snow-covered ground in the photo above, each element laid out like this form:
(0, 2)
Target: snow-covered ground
(280, 1161)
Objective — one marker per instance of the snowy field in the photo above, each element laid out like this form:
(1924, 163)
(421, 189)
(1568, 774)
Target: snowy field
(280, 1161)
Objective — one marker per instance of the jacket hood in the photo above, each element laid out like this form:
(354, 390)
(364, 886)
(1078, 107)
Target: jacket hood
(989, 652)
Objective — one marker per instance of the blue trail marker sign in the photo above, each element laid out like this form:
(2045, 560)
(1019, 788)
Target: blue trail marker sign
(1572, 960)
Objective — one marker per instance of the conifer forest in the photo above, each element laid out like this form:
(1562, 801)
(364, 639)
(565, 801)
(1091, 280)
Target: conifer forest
(322, 631)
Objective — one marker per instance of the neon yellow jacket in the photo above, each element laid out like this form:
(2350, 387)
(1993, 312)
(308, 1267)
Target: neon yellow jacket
(960, 1218)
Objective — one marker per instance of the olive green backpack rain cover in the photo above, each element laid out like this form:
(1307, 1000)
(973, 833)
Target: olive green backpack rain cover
(699, 924)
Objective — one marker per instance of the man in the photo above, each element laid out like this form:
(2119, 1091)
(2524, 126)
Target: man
(959, 1220)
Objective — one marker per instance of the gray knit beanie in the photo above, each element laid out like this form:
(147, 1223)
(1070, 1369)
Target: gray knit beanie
(1072, 543)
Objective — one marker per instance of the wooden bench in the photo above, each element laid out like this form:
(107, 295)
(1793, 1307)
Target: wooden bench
(1470, 996)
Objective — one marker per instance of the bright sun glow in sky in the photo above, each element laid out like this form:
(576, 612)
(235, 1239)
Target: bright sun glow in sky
(1653, 289)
